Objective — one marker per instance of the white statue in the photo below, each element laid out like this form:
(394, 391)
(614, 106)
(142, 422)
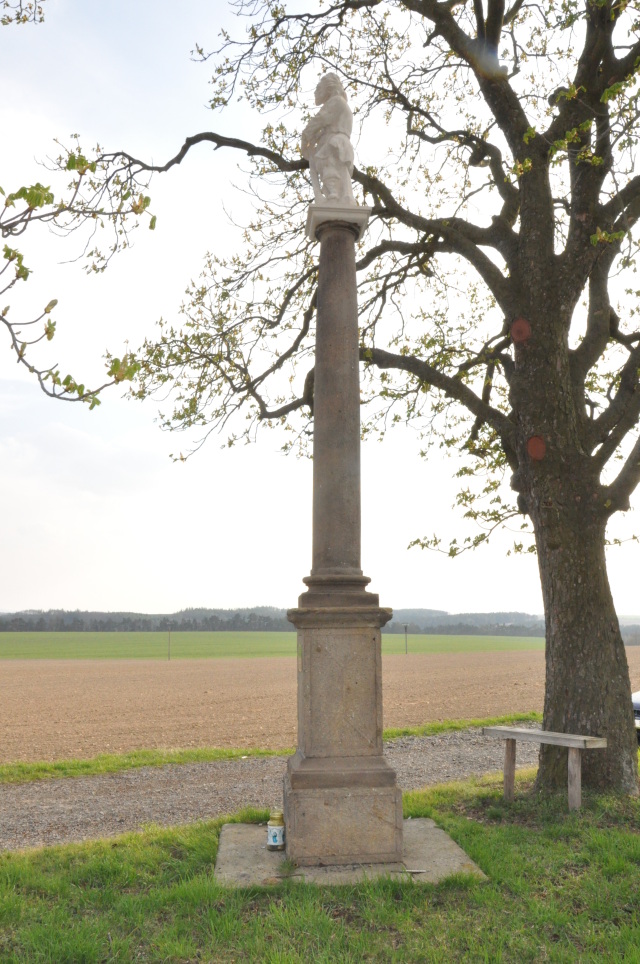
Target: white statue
(326, 144)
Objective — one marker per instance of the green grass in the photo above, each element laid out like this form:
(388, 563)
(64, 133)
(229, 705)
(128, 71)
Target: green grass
(444, 726)
(113, 763)
(231, 645)
(561, 887)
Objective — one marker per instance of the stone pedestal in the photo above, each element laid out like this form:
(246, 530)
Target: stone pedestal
(342, 804)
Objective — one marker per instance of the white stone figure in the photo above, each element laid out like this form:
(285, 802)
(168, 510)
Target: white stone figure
(326, 144)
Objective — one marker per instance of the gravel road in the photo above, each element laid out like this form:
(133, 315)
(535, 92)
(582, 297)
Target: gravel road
(63, 810)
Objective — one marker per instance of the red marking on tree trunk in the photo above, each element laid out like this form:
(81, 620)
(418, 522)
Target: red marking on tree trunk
(536, 447)
(520, 331)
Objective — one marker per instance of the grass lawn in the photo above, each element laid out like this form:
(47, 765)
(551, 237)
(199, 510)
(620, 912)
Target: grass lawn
(230, 645)
(561, 887)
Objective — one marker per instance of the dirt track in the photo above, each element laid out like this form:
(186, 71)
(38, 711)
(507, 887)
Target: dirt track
(57, 709)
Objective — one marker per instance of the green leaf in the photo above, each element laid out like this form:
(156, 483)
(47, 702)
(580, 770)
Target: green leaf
(612, 91)
(606, 237)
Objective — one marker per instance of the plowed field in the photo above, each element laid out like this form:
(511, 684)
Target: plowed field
(60, 709)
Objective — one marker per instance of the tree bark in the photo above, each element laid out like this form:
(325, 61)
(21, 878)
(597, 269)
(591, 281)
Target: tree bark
(587, 676)
(588, 688)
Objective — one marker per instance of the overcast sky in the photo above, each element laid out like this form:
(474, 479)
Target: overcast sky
(95, 514)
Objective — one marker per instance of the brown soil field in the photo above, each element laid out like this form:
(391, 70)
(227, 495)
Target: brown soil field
(62, 709)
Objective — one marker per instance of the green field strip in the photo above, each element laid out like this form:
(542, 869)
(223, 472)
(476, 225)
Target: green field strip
(115, 762)
(231, 645)
(188, 645)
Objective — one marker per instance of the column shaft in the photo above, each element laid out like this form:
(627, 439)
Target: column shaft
(336, 408)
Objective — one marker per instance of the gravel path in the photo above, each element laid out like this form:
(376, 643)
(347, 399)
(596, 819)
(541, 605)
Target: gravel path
(63, 810)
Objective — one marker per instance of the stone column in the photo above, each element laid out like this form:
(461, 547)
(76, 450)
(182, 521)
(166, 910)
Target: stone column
(342, 804)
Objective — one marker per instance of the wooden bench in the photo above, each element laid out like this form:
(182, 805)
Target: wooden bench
(575, 743)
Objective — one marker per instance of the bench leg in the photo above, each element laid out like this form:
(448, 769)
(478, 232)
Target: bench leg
(509, 769)
(575, 778)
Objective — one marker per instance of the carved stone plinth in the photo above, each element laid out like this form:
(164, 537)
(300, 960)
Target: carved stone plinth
(342, 804)
(344, 825)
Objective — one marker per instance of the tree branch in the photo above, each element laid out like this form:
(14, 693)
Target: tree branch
(621, 490)
(494, 22)
(624, 67)
(480, 148)
(620, 417)
(452, 387)
(513, 12)
(625, 198)
(267, 414)
(584, 357)
(451, 229)
(252, 150)
(497, 92)
(459, 236)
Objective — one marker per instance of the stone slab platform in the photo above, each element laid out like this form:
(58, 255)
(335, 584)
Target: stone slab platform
(429, 855)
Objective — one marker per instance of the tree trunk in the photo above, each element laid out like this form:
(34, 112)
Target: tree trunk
(587, 687)
(587, 677)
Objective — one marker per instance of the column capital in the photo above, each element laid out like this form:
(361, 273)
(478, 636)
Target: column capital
(352, 216)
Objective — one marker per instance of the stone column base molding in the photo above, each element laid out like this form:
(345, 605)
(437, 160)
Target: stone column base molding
(329, 590)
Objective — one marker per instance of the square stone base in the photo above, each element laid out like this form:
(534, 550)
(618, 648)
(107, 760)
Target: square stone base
(429, 856)
(343, 825)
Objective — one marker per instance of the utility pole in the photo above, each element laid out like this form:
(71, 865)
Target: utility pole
(405, 638)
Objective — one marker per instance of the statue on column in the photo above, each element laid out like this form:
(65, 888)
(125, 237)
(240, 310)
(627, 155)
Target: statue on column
(326, 144)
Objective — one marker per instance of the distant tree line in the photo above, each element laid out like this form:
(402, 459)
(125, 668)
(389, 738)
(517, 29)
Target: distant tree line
(482, 624)
(468, 629)
(437, 622)
(262, 619)
(270, 619)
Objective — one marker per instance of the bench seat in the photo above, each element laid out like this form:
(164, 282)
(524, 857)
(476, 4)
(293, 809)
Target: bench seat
(574, 742)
